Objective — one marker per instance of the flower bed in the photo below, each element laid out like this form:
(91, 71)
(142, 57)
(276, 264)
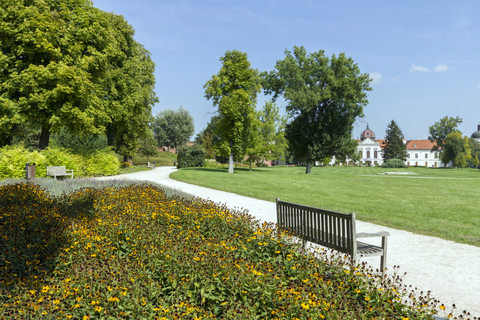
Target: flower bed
(134, 252)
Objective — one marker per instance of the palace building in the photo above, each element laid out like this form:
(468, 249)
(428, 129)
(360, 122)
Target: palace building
(419, 151)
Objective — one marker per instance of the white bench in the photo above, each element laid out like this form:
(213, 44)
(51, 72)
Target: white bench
(151, 166)
(59, 171)
(331, 229)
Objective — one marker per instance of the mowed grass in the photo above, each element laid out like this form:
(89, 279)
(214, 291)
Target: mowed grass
(437, 202)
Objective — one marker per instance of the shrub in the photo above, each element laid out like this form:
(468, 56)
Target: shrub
(14, 158)
(61, 157)
(125, 165)
(79, 144)
(394, 163)
(191, 156)
(102, 164)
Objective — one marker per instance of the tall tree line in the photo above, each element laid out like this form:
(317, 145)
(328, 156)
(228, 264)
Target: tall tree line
(67, 64)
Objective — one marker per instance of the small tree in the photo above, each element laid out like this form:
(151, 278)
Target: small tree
(148, 147)
(476, 162)
(234, 91)
(456, 149)
(83, 144)
(173, 128)
(439, 132)
(393, 147)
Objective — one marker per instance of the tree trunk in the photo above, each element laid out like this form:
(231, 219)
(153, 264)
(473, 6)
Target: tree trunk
(44, 137)
(230, 163)
(230, 159)
(309, 167)
(250, 164)
(127, 158)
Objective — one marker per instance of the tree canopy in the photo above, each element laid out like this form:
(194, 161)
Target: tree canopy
(233, 90)
(325, 96)
(173, 128)
(439, 131)
(457, 150)
(394, 147)
(58, 60)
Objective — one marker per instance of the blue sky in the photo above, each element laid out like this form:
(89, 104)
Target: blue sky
(423, 56)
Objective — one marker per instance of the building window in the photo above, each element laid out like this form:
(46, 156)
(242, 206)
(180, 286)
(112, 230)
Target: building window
(409, 155)
(368, 153)
(361, 154)
(416, 155)
(426, 155)
(436, 155)
(375, 154)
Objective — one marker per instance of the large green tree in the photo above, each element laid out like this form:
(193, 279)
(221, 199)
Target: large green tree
(66, 64)
(439, 131)
(50, 63)
(173, 128)
(234, 92)
(393, 146)
(325, 96)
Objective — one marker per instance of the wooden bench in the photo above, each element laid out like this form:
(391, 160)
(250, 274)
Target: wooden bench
(330, 229)
(59, 171)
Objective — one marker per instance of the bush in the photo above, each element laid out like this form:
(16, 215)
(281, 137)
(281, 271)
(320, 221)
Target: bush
(61, 157)
(14, 158)
(394, 163)
(102, 164)
(79, 144)
(191, 156)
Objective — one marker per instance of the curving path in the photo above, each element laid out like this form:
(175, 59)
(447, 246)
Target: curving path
(451, 271)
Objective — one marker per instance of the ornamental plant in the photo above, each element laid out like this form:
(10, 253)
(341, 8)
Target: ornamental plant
(133, 252)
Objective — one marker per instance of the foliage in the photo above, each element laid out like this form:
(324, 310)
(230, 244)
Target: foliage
(268, 140)
(324, 96)
(234, 92)
(148, 146)
(457, 149)
(209, 137)
(102, 164)
(14, 158)
(60, 157)
(191, 156)
(129, 88)
(74, 67)
(393, 147)
(83, 144)
(50, 73)
(132, 241)
(475, 148)
(173, 128)
(394, 163)
(439, 131)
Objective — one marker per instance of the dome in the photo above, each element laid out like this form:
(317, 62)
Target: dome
(367, 133)
(476, 134)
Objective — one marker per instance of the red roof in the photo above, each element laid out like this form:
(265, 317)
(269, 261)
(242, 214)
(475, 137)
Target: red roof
(420, 145)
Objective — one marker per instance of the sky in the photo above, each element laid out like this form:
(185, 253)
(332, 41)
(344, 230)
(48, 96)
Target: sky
(423, 56)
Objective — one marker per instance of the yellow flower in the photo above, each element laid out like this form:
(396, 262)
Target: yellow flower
(367, 298)
(442, 307)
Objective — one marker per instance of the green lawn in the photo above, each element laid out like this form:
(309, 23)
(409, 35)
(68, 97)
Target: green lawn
(437, 202)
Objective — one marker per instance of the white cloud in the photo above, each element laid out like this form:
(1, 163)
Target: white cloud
(441, 68)
(376, 77)
(416, 68)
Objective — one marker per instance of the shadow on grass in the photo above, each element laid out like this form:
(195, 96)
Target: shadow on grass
(34, 231)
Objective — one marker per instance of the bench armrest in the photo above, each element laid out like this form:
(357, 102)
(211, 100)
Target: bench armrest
(376, 234)
(71, 170)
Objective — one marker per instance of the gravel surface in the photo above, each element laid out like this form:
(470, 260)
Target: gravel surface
(451, 271)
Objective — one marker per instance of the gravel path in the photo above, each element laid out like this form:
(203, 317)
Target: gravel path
(451, 271)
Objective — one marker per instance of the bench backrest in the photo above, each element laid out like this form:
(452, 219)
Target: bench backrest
(56, 170)
(331, 229)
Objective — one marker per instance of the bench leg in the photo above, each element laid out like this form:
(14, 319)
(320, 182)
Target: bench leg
(383, 258)
(304, 244)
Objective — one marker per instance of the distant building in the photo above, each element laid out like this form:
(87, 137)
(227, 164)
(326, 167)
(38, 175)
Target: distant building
(419, 151)
(476, 134)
